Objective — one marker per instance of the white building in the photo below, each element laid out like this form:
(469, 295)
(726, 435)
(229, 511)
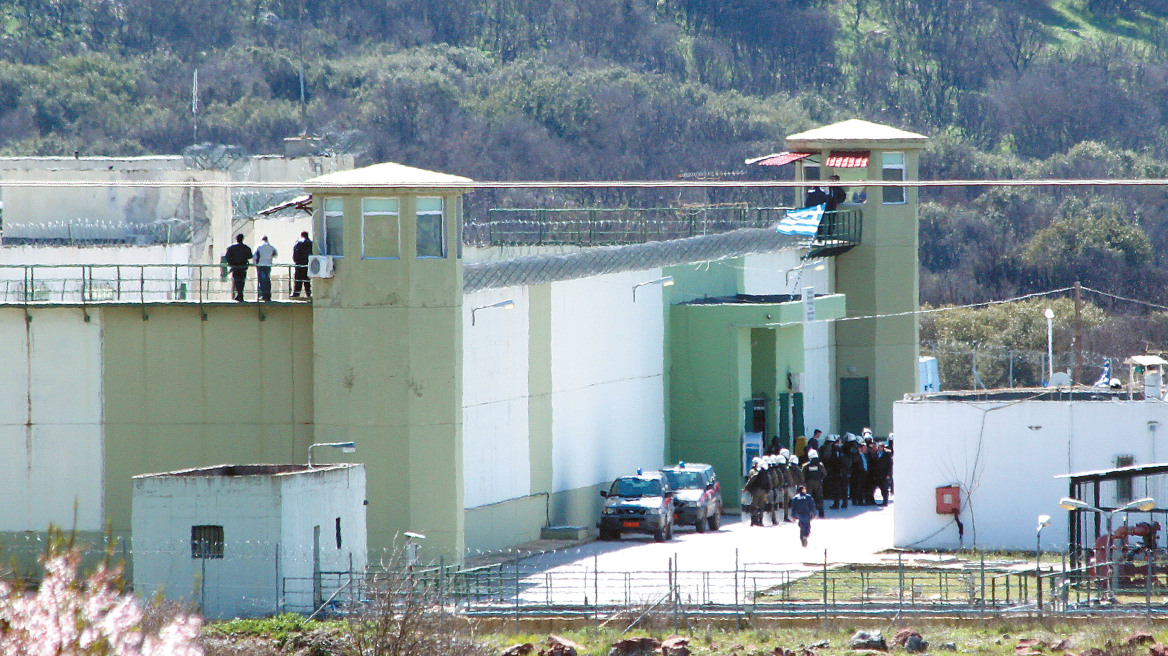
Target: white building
(1003, 453)
(249, 540)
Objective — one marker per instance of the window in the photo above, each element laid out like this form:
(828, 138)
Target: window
(893, 172)
(379, 228)
(431, 228)
(810, 174)
(334, 227)
(206, 541)
(338, 532)
(1123, 486)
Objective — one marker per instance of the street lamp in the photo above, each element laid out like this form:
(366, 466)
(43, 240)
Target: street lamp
(345, 447)
(1049, 314)
(503, 305)
(666, 281)
(1043, 522)
(1145, 504)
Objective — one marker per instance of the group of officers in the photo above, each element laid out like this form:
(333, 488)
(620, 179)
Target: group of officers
(848, 469)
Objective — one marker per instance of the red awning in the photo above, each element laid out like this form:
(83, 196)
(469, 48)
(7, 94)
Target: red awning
(779, 159)
(847, 160)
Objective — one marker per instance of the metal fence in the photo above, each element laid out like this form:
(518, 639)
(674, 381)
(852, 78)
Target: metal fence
(131, 283)
(527, 587)
(612, 226)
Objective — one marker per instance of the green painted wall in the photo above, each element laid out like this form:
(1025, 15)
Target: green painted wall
(179, 392)
(387, 335)
(578, 507)
(506, 524)
(880, 277)
(712, 374)
(692, 281)
(539, 387)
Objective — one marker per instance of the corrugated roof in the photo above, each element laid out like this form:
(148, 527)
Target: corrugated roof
(856, 129)
(387, 174)
(848, 160)
(778, 159)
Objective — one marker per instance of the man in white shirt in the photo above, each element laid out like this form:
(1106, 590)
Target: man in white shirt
(264, 254)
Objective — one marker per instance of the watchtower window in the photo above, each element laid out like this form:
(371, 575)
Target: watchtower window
(334, 227)
(893, 172)
(380, 225)
(431, 221)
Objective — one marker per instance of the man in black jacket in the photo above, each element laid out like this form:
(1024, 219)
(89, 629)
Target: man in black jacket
(237, 257)
(300, 254)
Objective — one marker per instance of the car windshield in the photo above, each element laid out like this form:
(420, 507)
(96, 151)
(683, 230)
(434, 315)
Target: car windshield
(684, 480)
(636, 487)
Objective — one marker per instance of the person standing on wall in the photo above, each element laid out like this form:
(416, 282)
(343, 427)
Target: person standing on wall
(264, 254)
(238, 256)
(803, 508)
(835, 195)
(300, 254)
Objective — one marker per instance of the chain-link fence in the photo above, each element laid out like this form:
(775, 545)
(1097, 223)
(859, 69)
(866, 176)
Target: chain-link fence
(971, 367)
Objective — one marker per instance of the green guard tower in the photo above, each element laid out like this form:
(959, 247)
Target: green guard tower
(387, 335)
(876, 359)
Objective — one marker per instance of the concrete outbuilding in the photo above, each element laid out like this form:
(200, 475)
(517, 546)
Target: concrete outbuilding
(249, 540)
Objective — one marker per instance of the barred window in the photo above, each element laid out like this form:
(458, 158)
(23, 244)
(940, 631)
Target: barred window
(206, 541)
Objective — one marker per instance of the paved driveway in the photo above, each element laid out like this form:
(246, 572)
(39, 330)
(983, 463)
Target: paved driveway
(713, 567)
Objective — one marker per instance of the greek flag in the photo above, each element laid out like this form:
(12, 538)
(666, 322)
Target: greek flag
(804, 222)
(1105, 379)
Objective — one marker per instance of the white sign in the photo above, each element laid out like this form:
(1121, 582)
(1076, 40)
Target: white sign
(808, 304)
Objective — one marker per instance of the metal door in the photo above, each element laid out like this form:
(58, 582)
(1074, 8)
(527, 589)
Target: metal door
(853, 405)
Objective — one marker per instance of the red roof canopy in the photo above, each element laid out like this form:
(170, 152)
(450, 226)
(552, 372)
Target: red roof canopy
(781, 159)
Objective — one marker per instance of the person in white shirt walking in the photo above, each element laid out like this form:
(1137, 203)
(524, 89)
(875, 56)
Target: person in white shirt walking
(264, 254)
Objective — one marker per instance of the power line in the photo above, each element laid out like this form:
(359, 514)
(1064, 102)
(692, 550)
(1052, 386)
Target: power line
(470, 185)
(1124, 298)
(947, 308)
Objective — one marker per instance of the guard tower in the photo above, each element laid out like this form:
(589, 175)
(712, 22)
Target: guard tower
(387, 335)
(876, 359)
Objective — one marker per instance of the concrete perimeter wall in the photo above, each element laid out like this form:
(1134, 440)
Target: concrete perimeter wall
(86, 405)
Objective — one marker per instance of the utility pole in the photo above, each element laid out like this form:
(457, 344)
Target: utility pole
(1078, 334)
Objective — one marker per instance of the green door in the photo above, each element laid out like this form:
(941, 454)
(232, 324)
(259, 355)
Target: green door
(853, 405)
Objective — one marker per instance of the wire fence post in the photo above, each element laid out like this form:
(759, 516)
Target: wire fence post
(825, 584)
(981, 601)
(900, 582)
(737, 607)
(596, 590)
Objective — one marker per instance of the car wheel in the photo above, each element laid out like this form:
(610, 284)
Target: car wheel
(609, 535)
(700, 525)
(715, 521)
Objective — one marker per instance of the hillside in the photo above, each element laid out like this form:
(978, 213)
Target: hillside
(626, 89)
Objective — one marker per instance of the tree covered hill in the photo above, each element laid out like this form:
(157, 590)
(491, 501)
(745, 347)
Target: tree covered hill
(623, 89)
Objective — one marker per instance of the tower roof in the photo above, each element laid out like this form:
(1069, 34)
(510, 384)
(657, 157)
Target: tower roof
(858, 134)
(390, 175)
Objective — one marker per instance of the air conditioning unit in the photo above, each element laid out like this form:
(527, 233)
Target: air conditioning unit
(320, 266)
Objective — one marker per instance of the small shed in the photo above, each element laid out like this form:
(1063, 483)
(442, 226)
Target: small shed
(249, 540)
